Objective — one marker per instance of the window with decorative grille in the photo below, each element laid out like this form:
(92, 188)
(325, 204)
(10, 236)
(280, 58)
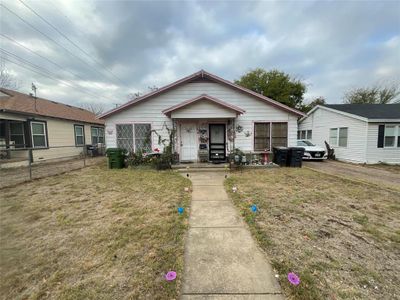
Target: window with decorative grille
(125, 137)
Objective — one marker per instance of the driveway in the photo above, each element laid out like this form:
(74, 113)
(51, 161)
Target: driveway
(358, 172)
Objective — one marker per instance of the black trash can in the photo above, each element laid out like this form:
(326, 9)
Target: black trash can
(116, 158)
(280, 156)
(295, 157)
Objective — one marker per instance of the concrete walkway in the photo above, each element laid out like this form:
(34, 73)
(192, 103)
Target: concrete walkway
(221, 259)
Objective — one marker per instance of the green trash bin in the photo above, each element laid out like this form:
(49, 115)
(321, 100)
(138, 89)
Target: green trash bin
(116, 158)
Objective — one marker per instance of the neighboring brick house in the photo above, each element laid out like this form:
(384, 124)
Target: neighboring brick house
(53, 130)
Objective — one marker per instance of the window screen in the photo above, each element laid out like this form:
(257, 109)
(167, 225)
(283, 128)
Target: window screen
(279, 135)
(261, 136)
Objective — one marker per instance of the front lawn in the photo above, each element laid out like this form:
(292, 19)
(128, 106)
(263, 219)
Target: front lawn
(342, 238)
(93, 234)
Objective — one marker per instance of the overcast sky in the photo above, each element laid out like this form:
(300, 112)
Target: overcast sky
(127, 46)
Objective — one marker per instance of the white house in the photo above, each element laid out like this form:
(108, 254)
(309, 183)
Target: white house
(360, 133)
(210, 115)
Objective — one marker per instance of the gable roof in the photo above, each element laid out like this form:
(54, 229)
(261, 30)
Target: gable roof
(202, 75)
(16, 102)
(369, 111)
(203, 97)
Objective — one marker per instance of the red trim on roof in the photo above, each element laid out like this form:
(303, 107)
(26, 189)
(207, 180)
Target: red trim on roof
(202, 74)
(168, 111)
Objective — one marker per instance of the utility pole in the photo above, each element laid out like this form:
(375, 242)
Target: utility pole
(34, 88)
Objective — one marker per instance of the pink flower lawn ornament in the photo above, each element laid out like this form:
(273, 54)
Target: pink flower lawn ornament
(170, 276)
(293, 278)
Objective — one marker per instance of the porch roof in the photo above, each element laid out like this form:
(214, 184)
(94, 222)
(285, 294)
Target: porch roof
(202, 111)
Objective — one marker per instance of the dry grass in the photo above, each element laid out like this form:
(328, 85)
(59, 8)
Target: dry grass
(341, 237)
(93, 234)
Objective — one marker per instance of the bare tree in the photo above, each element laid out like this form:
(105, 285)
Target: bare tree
(7, 80)
(133, 96)
(373, 95)
(96, 108)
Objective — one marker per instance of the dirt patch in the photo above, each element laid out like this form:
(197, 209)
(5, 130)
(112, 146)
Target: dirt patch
(93, 234)
(378, 175)
(341, 237)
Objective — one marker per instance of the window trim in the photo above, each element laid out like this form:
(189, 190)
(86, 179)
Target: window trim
(134, 136)
(83, 135)
(44, 123)
(23, 132)
(133, 133)
(396, 136)
(98, 127)
(270, 133)
(306, 131)
(338, 129)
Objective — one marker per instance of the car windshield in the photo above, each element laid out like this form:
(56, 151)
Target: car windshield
(304, 143)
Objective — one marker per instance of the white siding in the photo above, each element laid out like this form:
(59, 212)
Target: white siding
(150, 111)
(321, 120)
(378, 155)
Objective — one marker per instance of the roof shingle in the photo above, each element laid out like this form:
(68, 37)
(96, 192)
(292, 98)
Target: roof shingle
(18, 102)
(369, 111)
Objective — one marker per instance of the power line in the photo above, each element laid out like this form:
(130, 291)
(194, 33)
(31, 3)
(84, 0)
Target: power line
(48, 37)
(44, 72)
(43, 57)
(69, 40)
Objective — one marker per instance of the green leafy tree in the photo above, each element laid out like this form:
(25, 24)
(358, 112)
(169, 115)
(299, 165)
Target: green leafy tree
(373, 95)
(276, 85)
(317, 101)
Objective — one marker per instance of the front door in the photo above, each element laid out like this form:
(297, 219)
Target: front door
(188, 142)
(217, 142)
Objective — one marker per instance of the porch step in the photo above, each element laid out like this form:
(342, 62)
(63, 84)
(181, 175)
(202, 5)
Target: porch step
(192, 170)
(200, 166)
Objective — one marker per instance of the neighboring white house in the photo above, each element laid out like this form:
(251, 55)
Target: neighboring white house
(209, 114)
(361, 133)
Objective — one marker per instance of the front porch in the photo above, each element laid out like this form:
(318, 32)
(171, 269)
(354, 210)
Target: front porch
(205, 129)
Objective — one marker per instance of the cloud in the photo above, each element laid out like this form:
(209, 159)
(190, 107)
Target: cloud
(131, 45)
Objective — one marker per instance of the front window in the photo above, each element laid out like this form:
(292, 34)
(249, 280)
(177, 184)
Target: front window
(343, 137)
(17, 134)
(97, 135)
(309, 135)
(269, 135)
(390, 135)
(142, 137)
(338, 136)
(125, 137)
(39, 136)
(135, 137)
(79, 135)
(304, 134)
(261, 136)
(333, 136)
(279, 135)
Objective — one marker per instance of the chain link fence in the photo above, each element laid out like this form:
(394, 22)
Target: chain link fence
(24, 164)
